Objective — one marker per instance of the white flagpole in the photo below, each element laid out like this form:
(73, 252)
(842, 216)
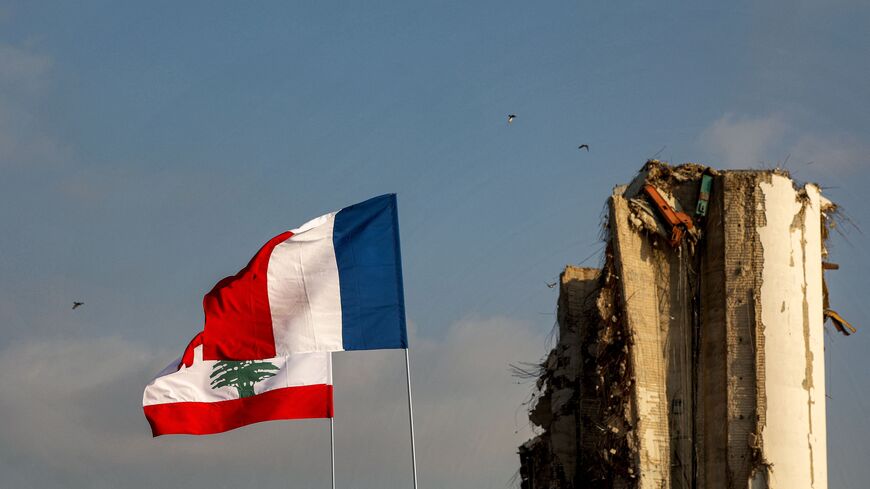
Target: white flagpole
(410, 416)
(332, 447)
(332, 428)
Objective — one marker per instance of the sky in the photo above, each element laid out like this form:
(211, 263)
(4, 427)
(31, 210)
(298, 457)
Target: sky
(148, 149)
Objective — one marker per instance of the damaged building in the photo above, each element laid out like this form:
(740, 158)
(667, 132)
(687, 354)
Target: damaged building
(693, 358)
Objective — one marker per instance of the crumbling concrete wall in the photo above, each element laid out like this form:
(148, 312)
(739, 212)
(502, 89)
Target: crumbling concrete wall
(550, 459)
(638, 271)
(585, 389)
(793, 434)
(712, 385)
(761, 326)
(744, 336)
(697, 365)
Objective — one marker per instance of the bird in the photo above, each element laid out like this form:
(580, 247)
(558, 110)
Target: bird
(552, 284)
(511, 118)
(77, 304)
(583, 146)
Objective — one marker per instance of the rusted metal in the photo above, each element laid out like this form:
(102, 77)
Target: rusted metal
(841, 324)
(679, 222)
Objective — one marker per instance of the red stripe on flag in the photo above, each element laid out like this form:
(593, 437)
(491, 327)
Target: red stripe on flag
(203, 418)
(187, 357)
(238, 321)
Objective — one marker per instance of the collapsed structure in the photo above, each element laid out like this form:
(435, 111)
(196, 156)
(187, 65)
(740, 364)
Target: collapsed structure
(694, 357)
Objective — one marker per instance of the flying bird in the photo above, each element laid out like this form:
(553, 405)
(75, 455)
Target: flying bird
(77, 304)
(583, 146)
(511, 118)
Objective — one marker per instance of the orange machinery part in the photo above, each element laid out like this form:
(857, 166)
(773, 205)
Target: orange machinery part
(679, 221)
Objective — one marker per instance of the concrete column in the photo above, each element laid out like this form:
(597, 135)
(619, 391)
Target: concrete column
(793, 436)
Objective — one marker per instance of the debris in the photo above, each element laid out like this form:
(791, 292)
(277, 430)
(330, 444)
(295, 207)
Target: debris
(704, 195)
(679, 222)
(621, 400)
(841, 324)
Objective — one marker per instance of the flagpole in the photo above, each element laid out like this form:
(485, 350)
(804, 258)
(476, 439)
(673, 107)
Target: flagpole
(410, 416)
(332, 447)
(332, 425)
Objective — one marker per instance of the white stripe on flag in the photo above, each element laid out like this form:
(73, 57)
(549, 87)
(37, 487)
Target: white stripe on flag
(303, 286)
(193, 384)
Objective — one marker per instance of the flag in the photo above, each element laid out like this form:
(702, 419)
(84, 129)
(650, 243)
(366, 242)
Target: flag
(332, 284)
(198, 397)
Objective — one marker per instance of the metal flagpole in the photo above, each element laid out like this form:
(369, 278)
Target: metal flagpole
(410, 416)
(332, 447)
(332, 428)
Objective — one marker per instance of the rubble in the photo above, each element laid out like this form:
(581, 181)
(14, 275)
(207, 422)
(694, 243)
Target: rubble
(675, 365)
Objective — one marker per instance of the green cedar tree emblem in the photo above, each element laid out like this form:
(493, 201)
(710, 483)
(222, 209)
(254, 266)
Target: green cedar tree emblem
(242, 375)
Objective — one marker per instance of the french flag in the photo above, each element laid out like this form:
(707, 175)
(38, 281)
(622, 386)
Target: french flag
(332, 284)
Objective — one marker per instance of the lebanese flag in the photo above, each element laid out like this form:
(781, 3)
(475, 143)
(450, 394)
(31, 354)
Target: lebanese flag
(199, 397)
(332, 284)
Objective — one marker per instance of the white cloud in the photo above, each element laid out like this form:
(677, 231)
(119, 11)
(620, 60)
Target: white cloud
(55, 390)
(72, 411)
(751, 142)
(471, 406)
(742, 142)
(23, 71)
(830, 152)
(24, 138)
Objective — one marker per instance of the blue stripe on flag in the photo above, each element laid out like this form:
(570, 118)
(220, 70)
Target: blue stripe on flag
(366, 240)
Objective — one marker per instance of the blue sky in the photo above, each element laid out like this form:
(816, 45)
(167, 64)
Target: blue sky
(147, 150)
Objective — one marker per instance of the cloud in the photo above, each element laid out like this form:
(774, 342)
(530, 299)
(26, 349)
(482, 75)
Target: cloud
(472, 407)
(65, 395)
(23, 71)
(74, 418)
(742, 142)
(24, 138)
(830, 152)
(734, 141)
